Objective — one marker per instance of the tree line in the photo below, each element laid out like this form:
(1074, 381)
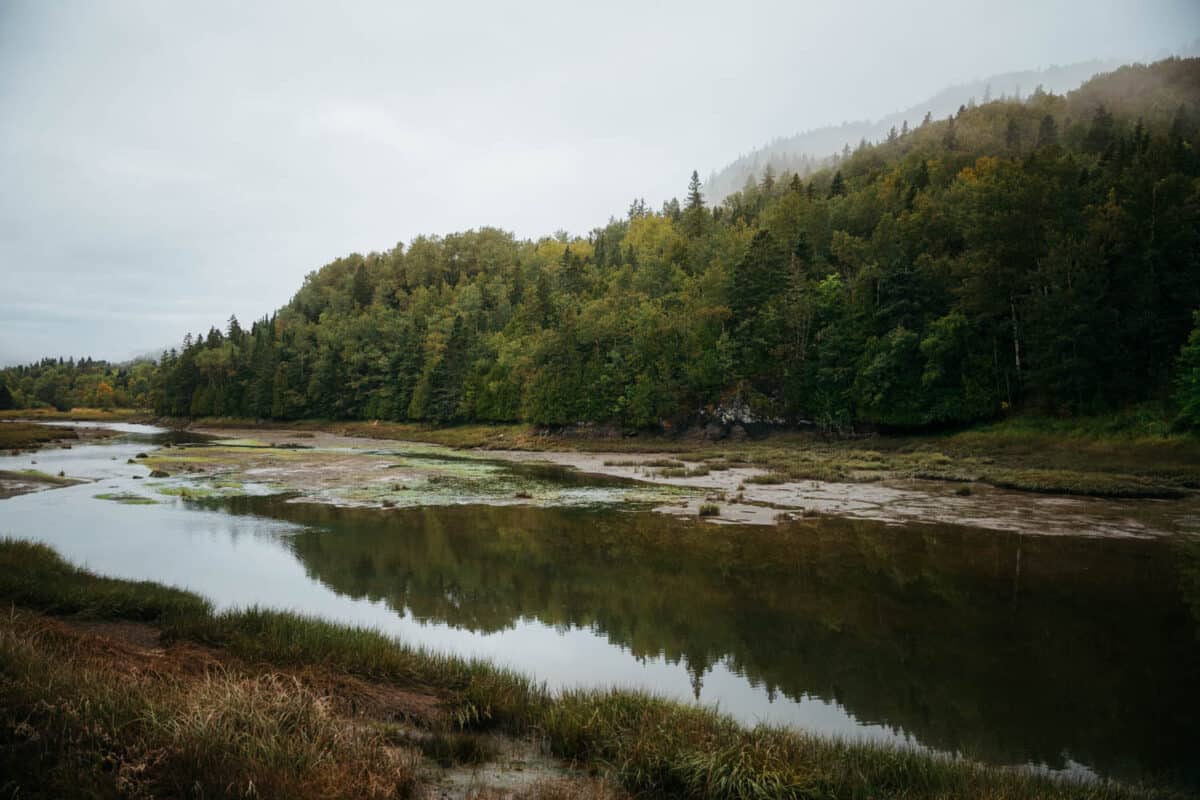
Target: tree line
(1041, 255)
(64, 384)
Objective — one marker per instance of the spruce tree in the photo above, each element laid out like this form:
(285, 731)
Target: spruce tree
(695, 215)
(837, 187)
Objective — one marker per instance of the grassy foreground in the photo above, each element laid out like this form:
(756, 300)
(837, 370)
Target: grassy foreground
(267, 704)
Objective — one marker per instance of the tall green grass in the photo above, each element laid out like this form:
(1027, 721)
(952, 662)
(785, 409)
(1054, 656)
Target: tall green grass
(33, 576)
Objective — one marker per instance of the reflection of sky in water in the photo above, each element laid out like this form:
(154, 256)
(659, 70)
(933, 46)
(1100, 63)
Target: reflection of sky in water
(239, 561)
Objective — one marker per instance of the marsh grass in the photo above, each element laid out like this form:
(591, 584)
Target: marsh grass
(38, 477)
(83, 726)
(79, 414)
(685, 472)
(482, 696)
(22, 435)
(33, 576)
(446, 748)
(770, 478)
(667, 463)
(263, 728)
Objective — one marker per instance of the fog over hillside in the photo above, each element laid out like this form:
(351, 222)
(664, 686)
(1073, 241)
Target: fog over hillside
(811, 149)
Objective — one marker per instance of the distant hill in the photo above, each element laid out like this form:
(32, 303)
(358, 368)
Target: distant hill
(811, 150)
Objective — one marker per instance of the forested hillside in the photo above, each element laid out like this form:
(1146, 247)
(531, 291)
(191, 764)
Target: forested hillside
(1040, 255)
(810, 150)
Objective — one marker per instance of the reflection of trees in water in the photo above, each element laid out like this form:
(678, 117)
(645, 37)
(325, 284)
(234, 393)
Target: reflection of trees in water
(1007, 648)
(1187, 564)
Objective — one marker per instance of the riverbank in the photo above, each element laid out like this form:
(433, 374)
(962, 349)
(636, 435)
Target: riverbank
(112, 685)
(1097, 457)
(737, 483)
(79, 414)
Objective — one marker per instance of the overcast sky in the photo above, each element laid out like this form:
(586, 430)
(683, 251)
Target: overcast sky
(164, 165)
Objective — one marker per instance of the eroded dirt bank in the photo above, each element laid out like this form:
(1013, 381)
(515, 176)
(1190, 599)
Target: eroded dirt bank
(327, 467)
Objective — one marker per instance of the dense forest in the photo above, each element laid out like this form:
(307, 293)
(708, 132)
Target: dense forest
(1040, 255)
(68, 383)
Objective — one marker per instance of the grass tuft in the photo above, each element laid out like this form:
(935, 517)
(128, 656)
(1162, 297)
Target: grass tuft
(34, 576)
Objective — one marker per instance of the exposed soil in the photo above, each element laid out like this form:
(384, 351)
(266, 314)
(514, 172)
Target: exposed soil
(893, 501)
(337, 466)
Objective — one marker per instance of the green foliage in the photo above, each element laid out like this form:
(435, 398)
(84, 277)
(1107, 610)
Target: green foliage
(1037, 255)
(1187, 381)
(63, 384)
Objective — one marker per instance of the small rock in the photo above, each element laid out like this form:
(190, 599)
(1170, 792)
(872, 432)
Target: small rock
(158, 473)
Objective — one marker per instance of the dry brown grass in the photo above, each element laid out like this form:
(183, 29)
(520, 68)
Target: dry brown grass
(173, 722)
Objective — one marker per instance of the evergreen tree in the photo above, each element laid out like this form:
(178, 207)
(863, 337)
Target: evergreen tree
(695, 216)
(448, 376)
(1187, 381)
(837, 187)
(1047, 132)
(361, 290)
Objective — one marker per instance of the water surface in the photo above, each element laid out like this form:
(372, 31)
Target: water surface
(1079, 654)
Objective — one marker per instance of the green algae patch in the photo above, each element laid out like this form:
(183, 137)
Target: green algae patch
(242, 443)
(126, 498)
(187, 492)
(201, 489)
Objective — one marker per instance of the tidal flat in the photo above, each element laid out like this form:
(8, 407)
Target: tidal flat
(745, 481)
